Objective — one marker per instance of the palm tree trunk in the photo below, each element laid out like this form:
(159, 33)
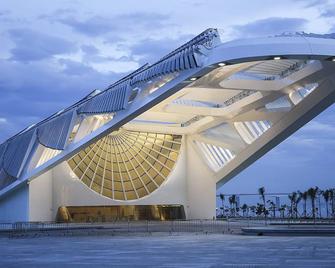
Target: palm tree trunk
(319, 201)
(313, 208)
(327, 209)
(333, 207)
(305, 208)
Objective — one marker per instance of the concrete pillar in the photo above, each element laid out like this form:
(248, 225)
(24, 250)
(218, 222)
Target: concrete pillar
(201, 186)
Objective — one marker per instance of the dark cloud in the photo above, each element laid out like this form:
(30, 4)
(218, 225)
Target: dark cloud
(32, 91)
(270, 26)
(89, 49)
(33, 46)
(119, 25)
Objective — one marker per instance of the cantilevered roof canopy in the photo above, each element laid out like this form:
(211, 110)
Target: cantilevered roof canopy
(223, 95)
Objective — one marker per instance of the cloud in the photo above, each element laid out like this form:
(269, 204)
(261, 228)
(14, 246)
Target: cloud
(75, 68)
(319, 128)
(328, 12)
(316, 135)
(5, 16)
(57, 13)
(313, 3)
(119, 25)
(92, 27)
(89, 49)
(31, 92)
(92, 54)
(3, 120)
(270, 26)
(311, 143)
(31, 45)
(4, 13)
(150, 50)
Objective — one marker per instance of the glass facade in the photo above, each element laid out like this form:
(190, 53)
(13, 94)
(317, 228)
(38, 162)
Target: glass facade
(112, 213)
(127, 165)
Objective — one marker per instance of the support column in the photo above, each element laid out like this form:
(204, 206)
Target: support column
(201, 186)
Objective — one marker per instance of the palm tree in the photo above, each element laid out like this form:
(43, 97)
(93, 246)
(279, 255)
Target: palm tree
(232, 202)
(326, 197)
(304, 197)
(244, 208)
(297, 201)
(253, 209)
(319, 193)
(282, 211)
(261, 192)
(293, 198)
(312, 193)
(259, 209)
(331, 196)
(222, 203)
(272, 208)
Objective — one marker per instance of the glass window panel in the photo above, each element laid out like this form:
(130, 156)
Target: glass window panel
(159, 180)
(107, 192)
(138, 154)
(118, 196)
(128, 186)
(118, 186)
(108, 184)
(131, 195)
(152, 172)
(141, 192)
(86, 180)
(137, 183)
(146, 179)
(151, 186)
(165, 172)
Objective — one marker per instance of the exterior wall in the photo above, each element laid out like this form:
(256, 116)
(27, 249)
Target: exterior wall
(40, 198)
(201, 186)
(191, 184)
(14, 206)
(69, 191)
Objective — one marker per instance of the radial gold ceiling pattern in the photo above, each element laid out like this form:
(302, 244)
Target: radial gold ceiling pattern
(127, 165)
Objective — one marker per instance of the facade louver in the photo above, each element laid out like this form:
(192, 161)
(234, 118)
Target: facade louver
(112, 100)
(54, 133)
(17, 151)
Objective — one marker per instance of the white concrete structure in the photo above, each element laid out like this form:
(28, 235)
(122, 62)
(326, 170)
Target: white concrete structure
(171, 132)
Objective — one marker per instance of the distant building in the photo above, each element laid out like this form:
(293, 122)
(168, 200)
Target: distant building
(157, 143)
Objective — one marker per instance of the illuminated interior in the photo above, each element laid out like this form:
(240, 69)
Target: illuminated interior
(127, 165)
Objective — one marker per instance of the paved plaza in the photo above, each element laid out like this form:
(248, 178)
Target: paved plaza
(162, 250)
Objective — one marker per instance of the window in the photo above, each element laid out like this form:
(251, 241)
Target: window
(252, 130)
(127, 165)
(216, 157)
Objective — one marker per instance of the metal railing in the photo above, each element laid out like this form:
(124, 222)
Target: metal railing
(219, 226)
(121, 227)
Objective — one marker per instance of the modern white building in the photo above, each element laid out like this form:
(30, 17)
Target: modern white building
(168, 134)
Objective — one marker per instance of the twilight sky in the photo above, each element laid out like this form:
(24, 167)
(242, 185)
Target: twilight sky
(53, 53)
